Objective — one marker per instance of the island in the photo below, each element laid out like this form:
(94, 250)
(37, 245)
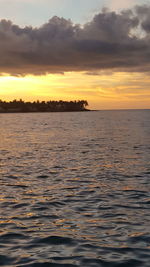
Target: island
(18, 106)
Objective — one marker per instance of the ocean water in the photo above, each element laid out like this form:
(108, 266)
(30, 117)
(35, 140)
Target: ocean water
(75, 189)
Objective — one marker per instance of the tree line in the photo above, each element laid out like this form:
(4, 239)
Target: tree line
(42, 106)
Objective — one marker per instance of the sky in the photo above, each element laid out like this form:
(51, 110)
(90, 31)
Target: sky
(97, 50)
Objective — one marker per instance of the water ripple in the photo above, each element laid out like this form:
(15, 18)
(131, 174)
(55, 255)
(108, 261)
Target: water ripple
(75, 189)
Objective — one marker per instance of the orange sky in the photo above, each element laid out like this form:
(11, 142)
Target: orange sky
(102, 91)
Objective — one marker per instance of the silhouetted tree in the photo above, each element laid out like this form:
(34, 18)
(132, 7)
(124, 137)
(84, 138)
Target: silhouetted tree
(43, 106)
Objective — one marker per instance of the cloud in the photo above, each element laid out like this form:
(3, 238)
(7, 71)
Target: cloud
(107, 42)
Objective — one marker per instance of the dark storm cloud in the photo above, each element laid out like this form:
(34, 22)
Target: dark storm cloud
(109, 41)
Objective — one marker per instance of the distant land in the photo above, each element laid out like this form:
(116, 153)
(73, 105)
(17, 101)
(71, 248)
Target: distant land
(18, 106)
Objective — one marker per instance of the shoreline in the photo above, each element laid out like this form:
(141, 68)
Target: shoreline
(68, 111)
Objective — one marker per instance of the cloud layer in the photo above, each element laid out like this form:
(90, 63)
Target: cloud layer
(117, 41)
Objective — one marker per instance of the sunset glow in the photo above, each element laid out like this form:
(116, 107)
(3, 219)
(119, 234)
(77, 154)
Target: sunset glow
(101, 54)
(103, 91)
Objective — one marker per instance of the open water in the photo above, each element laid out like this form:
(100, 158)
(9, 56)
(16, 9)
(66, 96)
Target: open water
(74, 189)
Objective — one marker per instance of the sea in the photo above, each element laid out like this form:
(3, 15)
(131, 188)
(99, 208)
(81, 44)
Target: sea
(75, 189)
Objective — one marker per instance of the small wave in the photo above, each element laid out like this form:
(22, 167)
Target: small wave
(6, 260)
(49, 264)
(140, 238)
(42, 176)
(21, 205)
(55, 240)
(5, 238)
(102, 263)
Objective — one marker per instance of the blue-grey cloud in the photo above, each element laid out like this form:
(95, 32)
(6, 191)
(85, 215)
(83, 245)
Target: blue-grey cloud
(118, 41)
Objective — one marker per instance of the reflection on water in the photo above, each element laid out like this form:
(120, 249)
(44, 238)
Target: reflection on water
(75, 189)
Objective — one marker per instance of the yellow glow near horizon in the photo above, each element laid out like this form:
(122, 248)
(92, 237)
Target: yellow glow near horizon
(104, 91)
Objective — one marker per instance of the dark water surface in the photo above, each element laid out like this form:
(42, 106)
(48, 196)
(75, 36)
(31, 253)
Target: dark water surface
(75, 189)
